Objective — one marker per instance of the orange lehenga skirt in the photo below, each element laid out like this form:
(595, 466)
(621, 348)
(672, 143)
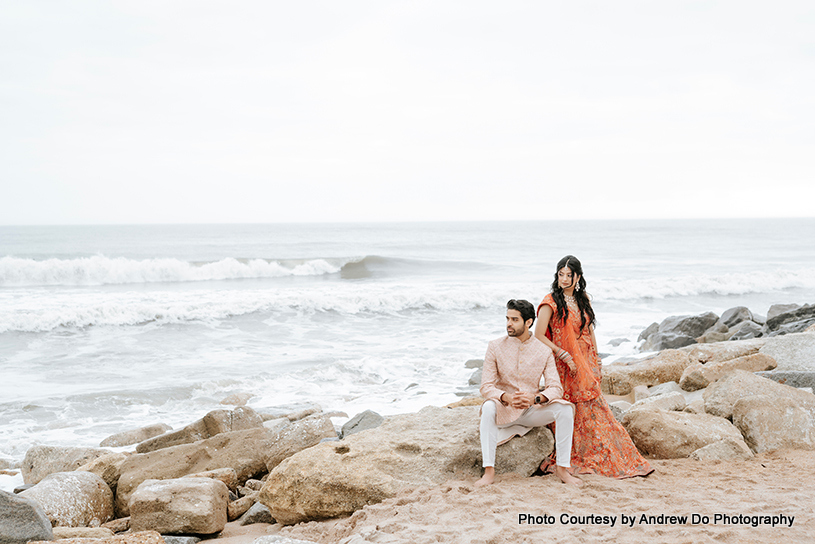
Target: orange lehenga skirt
(601, 445)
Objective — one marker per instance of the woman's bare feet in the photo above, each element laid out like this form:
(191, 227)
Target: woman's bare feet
(487, 478)
(566, 477)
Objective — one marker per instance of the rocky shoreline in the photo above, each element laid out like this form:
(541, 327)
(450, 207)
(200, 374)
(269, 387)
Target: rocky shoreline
(733, 392)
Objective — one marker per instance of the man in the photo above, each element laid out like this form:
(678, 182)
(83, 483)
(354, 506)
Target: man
(523, 390)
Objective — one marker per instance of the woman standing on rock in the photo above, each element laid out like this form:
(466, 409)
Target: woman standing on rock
(566, 324)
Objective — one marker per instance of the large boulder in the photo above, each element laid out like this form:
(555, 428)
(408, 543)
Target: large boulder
(141, 537)
(244, 451)
(226, 475)
(699, 376)
(666, 366)
(406, 451)
(736, 315)
(40, 461)
(724, 351)
(178, 506)
(745, 330)
(73, 499)
(722, 395)
(22, 520)
(792, 351)
(134, 436)
(723, 450)
(678, 331)
(298, 436)
(771, 423)
(665, 401)
(212, 424)
(792, 321)
(364, 420)
(108, 467)
(791, 378)
(671, 435)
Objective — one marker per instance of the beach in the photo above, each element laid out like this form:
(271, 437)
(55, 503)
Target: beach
(769, 485)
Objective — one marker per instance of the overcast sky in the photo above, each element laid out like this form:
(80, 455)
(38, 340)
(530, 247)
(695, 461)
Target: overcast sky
(265, 111)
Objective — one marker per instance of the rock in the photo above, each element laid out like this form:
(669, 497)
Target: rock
(360, 422)
(183, 505)
(292, 412)
(243, 451)
(770, 422)
(778, 309)
(793, 379)
(170, 539)
(695, 407)
(73, 499)
(745, 330)
(678, 331)
(713, 337)
(474, 363)
(298, 436)
(666, 401)
(108, 467)
(226, 475)
(803, 314)
(618, 408)
(40, 461)
(119, 525)
(641, 392)
(722, 395)
(237, 399)
(277, 539)
(666, 366)
(615, 342)
(672, 435)
(6, 464)
(723, 450)
(22, 520)
(475, 378)
(474, 400)
(792, 352)
(258, 513)
(653, 328)
(134, 436)
(212, 424)
(236, 509)
(661, 389)
(724, 351)
(699, 376)
(254, 485)
(406, 451)
(142, 537)
(81, 532)
(736, 315)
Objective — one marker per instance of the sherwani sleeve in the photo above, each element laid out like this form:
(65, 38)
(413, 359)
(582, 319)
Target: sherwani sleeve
(553, 389)
(489, 376)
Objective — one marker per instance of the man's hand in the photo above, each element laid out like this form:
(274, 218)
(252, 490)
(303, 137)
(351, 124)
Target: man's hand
(522, 400)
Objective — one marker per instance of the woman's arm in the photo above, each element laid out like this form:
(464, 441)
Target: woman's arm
(544, 316)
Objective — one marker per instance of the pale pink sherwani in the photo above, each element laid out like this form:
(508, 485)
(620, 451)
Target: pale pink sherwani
(510, 366)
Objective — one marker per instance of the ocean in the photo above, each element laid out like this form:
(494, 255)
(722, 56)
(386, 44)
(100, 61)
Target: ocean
(110, 328)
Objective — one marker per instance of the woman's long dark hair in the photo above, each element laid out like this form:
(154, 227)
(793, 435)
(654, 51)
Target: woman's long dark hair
(581, 297)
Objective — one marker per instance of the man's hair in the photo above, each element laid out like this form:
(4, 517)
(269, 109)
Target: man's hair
(523, 306)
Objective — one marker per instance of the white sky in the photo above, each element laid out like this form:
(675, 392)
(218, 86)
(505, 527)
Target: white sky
(265, 111)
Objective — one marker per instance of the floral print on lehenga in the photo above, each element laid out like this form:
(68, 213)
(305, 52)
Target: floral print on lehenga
(601, 445)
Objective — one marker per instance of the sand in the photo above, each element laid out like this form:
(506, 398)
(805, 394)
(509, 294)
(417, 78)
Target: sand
(771, 484)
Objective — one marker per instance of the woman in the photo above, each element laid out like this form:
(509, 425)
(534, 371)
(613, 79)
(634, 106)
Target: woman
(566, 324)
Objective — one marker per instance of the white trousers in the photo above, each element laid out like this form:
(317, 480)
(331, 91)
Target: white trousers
(534, 416)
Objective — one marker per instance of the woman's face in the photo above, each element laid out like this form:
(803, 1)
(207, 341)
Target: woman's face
(565, 278)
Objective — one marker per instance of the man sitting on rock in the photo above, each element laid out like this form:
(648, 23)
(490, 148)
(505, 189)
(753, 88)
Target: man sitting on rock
(523, 390)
